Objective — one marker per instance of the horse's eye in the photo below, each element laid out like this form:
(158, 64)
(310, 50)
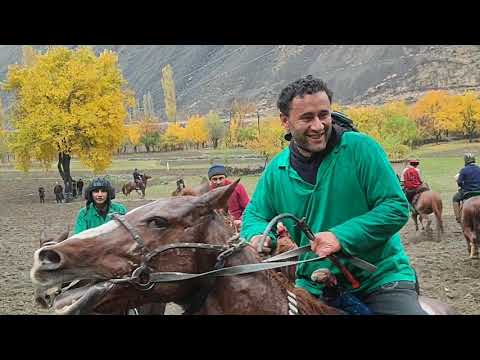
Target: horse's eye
(159, 222)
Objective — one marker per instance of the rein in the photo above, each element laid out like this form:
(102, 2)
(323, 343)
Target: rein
(143, 278)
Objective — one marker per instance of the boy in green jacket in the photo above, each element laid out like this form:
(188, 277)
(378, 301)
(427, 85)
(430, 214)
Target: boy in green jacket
(99, 207)
(344, 185)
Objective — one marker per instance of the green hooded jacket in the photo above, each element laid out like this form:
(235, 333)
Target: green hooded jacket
(356, 196)
(89, 217)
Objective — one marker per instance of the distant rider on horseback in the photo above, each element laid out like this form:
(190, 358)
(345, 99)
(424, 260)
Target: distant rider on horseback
(137, 178)
(468, 181)
(411, 180)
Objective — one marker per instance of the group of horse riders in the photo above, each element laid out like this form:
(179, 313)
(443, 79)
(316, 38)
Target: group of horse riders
(468, 181)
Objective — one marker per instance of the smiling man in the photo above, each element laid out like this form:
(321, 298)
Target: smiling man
(343, 184)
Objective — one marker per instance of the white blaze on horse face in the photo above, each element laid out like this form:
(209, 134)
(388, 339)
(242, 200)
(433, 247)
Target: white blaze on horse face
(100, 230)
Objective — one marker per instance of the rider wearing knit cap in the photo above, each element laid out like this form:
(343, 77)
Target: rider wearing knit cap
(239, 199)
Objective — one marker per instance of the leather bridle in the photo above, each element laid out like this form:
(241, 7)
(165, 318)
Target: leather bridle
(141, 276)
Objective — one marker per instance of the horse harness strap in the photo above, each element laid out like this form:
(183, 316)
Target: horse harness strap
(142, 277)
(136, 236)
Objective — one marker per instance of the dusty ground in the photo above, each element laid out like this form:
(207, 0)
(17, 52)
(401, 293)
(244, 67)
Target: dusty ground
(445, 272)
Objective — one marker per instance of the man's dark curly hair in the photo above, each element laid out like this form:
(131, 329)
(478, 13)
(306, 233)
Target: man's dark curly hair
(300, 87)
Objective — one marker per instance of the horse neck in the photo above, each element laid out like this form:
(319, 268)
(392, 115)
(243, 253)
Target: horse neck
(255, 293)
(263, 292)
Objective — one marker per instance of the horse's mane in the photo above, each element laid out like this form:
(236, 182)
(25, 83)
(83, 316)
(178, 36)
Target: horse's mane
(188, 192)
(307, 303)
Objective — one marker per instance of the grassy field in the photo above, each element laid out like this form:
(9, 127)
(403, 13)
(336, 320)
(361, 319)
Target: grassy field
(439, 164)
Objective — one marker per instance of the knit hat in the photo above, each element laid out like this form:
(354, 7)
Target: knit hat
(216, 170)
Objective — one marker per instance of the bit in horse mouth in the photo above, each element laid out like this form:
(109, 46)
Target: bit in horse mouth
(79, 297)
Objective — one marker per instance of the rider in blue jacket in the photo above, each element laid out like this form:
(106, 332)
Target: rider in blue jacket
(468, 180)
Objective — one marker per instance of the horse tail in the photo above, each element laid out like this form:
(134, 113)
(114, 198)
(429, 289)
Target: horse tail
(437, 208)
(476, 229)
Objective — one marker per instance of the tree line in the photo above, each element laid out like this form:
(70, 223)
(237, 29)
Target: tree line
(72, 102)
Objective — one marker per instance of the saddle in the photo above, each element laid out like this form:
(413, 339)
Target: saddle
(422, 188)
(470, 194)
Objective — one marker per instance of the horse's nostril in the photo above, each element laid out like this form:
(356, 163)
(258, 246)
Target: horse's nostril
(43, 302)
(49, 256)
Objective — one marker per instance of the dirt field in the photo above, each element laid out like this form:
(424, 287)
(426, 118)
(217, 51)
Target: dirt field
(445, 272)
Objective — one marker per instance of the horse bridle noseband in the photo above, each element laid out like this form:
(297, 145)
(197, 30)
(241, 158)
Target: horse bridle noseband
(141, 276)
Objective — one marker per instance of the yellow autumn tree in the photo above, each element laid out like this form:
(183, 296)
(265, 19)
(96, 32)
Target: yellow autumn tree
(232, 138)
(240, 109)
(169, 96)
(174, 137)
(3, 134)
(394, 109)
(464, 113)
(196, 132)
(68, 102)
(431, 112)
(270, 140)
(134, 133)
(368, 119)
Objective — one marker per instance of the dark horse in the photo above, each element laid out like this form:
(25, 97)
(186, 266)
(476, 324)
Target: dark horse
(182, 234)
(471, 224)
(131, 185)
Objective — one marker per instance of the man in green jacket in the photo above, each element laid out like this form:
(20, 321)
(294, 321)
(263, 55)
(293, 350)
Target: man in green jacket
(99, 207)
(344, 185)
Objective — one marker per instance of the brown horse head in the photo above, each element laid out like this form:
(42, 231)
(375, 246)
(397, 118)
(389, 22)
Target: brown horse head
(110, 252)
(41, 297)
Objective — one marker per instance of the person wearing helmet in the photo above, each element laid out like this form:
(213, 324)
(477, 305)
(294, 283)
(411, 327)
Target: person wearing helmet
(99, 207)
(411, 180)
(468, 180)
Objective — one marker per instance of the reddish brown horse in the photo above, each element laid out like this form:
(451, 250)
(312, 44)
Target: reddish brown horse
(471, 225)
(171, 235)
(45, 299)
(428, 202)
(131, 185)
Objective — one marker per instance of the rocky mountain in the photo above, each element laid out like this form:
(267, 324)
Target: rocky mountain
(212, 76)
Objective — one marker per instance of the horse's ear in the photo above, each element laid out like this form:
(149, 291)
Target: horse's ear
(43, 237)
(218, 198)
(64, 235)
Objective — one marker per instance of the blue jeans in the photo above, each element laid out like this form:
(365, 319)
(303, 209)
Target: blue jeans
(397, 298)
